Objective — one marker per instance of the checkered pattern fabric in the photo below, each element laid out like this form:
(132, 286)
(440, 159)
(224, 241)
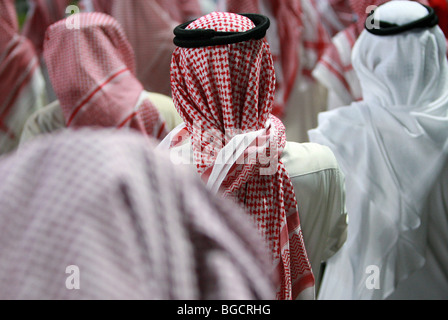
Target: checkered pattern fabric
(18, 63)
(9, 23)
(92, 70)
(335, 64)
(135, 226)
(227, 90)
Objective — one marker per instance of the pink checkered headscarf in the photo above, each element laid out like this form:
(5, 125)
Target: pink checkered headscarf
(92, 70)
(224, 94)
(99, 214)
(18, 62)
(288, 18)
(9, 24)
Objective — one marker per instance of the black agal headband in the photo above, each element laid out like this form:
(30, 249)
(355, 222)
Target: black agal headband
(207, 37)
(387, 29)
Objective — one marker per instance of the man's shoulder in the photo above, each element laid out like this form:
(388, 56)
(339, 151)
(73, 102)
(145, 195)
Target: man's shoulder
(306, 158)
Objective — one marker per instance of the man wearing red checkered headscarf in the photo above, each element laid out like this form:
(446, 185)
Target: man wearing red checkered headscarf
(22, 84)
(225, 95)
(92, 70)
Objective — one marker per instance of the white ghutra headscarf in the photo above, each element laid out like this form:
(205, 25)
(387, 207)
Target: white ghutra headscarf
(393, 147)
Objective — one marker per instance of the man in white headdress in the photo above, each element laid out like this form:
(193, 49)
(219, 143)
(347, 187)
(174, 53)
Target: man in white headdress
(393, 149)
(84, 82)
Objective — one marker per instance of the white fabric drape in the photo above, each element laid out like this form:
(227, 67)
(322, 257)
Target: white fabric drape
(392, 147)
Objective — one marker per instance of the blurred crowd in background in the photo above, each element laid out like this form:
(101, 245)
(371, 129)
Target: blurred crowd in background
(339, 100)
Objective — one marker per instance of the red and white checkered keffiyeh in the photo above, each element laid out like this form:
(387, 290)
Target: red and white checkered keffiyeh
(42, 14)
(225, 95)
(18, 62)
(135, 226)
(92, 70)
(315, 37)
